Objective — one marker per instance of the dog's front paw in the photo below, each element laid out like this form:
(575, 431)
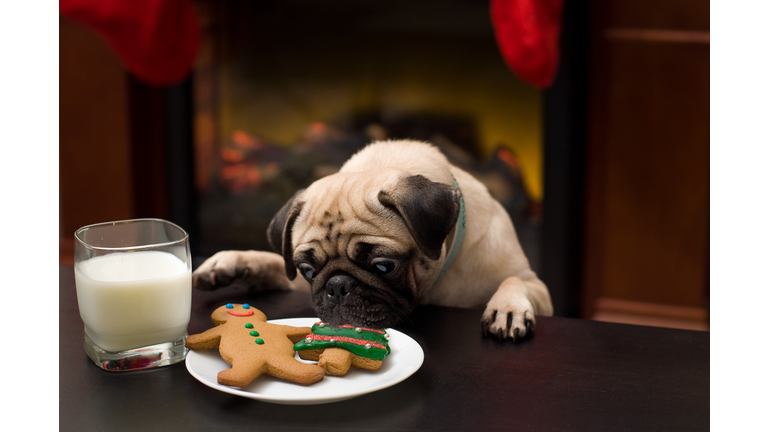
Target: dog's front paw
(220, 270)
(260, 271)
(509, 313)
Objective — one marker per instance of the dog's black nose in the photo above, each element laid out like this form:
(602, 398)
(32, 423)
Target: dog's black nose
(338, 286)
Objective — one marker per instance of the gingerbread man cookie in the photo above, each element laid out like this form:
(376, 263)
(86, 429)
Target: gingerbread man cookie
(337, 348)
(254, 347)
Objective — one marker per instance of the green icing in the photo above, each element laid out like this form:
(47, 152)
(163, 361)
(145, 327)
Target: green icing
(254, 333)
(374, 353)
(351, 333)
(249, 325)
(260, 341)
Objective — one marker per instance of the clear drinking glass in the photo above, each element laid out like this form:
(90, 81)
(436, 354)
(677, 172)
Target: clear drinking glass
(134, 291)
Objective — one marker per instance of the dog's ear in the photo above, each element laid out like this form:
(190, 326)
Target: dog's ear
(279, 232)
(430, 210)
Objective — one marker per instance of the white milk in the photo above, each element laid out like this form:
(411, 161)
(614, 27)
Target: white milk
(134, 299)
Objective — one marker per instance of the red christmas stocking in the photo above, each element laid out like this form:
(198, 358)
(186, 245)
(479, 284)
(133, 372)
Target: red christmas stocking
(157, 40)
(528, 33)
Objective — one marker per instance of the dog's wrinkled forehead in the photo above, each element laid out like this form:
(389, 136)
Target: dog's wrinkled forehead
(344, 209)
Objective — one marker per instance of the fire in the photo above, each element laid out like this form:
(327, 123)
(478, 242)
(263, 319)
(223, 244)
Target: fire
(243, 140)
(232, 155)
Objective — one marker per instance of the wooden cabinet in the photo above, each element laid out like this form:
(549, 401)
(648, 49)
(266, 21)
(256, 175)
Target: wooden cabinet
(112, 138)
(646, 233)
(94, 132)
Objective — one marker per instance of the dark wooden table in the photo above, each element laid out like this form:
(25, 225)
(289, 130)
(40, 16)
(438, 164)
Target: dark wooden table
(572, 375)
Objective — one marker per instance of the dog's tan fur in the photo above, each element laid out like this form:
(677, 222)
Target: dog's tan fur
(339, 211)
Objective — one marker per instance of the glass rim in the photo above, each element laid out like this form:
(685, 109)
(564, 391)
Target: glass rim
(130, 248)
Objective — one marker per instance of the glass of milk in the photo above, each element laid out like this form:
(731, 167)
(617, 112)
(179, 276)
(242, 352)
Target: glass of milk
(134, 291)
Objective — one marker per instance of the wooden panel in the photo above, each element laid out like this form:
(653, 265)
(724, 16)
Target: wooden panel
(657, 151)
(647, 184)
(94, 147)
(650, 314)
(689, 15)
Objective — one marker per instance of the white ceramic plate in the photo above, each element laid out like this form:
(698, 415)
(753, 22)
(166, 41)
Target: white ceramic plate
(404, 360)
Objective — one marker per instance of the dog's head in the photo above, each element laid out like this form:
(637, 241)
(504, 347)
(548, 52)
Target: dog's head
(366, 242)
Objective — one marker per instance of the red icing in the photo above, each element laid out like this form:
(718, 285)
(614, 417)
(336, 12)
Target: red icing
(346, 339)
(246, 313)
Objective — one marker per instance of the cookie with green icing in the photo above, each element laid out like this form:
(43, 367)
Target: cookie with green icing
(338, 348)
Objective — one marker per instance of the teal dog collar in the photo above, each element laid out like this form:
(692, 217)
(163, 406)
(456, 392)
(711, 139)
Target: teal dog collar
(460, 230)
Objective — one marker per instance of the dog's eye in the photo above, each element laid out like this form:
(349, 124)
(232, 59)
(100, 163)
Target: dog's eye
(384, 265)
(307, 271)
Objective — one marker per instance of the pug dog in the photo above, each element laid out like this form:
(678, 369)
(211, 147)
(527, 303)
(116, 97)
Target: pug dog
(397, 226)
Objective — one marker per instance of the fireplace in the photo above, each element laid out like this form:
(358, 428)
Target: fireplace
(286, 91)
